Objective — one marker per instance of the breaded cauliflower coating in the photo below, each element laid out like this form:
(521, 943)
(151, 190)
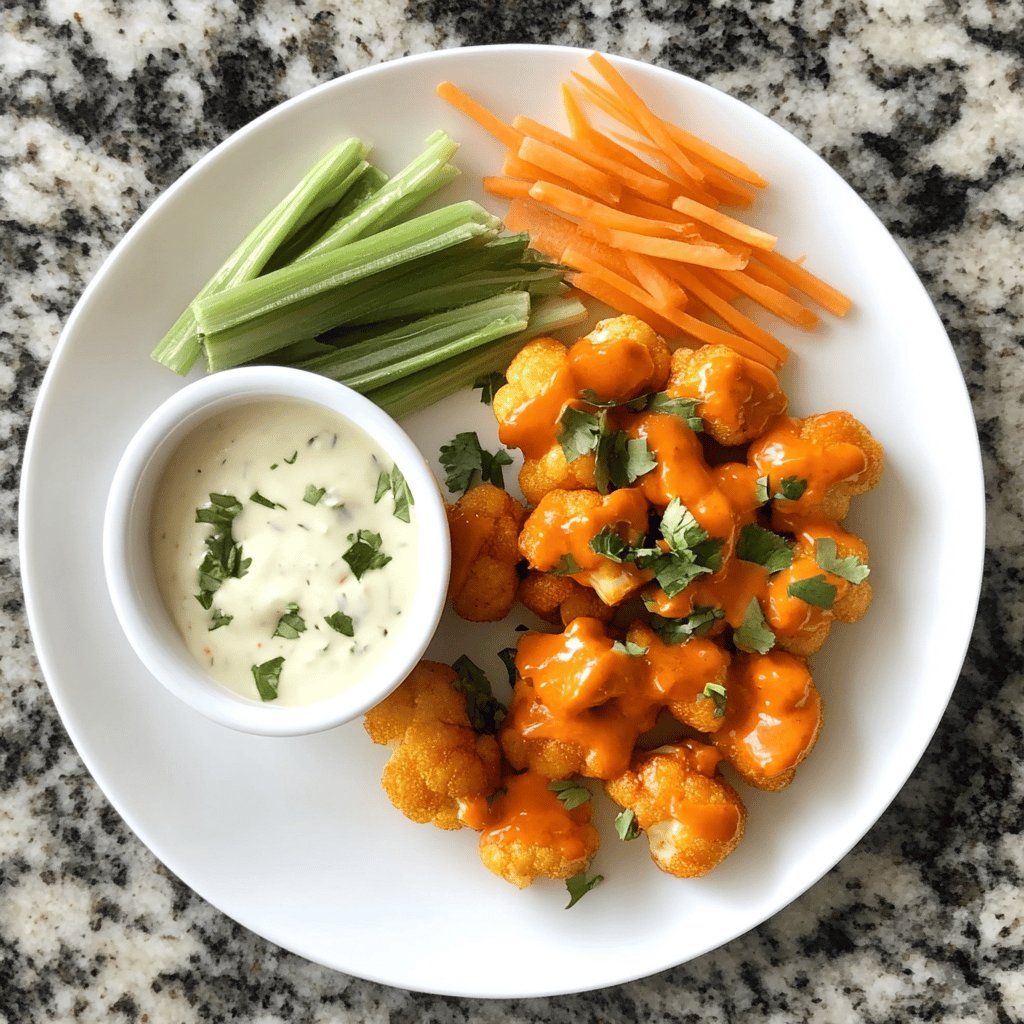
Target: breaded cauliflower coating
(738, 397)
(693, 818)
(559, 599)
(557, 536)
(816, 465)
(439, 761)
(532, 834)
(484, 525)
(772, 717)
(620, 359)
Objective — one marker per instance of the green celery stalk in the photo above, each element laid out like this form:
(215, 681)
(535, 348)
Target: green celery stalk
(320, 188)
(422, 389)
(391, 354)
(222, 318)
(423, 176)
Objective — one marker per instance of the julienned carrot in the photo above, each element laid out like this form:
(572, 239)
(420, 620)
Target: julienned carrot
(657, 282)
(669, 249)
(775, 302)
(490, 123)
(572, 203)
(578, 123)
(515, 167)
(652, 125)
(563, 165)
(604, 292)
(803, 280)
(711, 335)
(760, 273)
(727, 225)
(507, 188)
(716, 283)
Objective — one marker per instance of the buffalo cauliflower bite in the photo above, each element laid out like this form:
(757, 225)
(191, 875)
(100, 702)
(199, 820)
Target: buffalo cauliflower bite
(531, 834)
(620, 359)
(772, 718)
(439, 763)
(693, 818)
(816, 465)
(484, 525)
(559, 599)
(557, 537)
(738, 397)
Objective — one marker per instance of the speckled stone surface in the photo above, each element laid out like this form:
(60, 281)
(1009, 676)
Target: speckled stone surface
(920, 106)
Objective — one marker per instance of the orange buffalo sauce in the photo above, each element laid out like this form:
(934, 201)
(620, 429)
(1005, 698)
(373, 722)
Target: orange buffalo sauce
(469, 534)
(772, 716)
(616, 369)
(679, 672)
(530, 814)
(533, 424)
(730, 589)
(712, 822)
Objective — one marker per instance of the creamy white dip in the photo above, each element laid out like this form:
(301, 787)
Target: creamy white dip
(322, 475)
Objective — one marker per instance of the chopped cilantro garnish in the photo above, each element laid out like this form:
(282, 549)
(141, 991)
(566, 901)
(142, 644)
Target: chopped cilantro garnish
(580, 432)
(340, 623)
(609, 544)
(765, 548)
(508, 658)
(313, 494)
(365, 553)
(678, 631)
(630, 648)
(566, 566)
(572, 794)
(464, 458)
(489, 385)
(850, 568)
(291, 461)
(684, 408)
(221, 511)
(383, 486)
(791, 488)
(816, 591)
(219, 619)
(621, 460)
(717, 693)
(260, 500)
(754, 634)
(579, 885)
(268, 678)
(223, 559)
(691, 552)
(485, 712)
(395, 483)
(291, 624)
(626, 827)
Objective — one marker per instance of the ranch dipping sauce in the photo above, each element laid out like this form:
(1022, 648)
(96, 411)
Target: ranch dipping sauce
(293, 584)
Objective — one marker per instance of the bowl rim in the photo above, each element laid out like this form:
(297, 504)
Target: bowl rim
(140, 609)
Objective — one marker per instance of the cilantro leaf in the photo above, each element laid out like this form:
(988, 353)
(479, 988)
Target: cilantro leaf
(717, 693)
(488, 385)
(491, 466)
(754, 634)
(566, 566)
(626, 827)
(680, 528)
(850, 568)
(365, 553)
(816, 591)
(678, 631)
(221, 511)
(268, 678)
(610, 545)
(313, 494)
(572, 794)
(579, 885)
(291, 624)
(401, 495)
(791, 488)
(765, 548)
(218, 619)
(508, 658)
(591, 397)
(673, 571)
(340, 623)
(266, 502)
(291, 461)
(383, 486)
(630, 648)
(580, 432)
(463, 458)
(684, 408)
(223, 559)
(691, 552)
(485, 712)
(621, 460)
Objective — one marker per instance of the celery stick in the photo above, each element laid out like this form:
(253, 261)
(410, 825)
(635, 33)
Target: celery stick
(394, 353)
(422, 389)
(420, 178)
(223, 318)
(317, 191)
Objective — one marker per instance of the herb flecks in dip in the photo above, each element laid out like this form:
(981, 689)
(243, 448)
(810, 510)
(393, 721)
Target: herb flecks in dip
(286, 549)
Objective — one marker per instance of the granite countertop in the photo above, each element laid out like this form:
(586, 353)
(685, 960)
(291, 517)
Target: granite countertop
(920, 106)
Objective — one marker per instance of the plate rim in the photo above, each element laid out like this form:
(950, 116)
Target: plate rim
(25, 528)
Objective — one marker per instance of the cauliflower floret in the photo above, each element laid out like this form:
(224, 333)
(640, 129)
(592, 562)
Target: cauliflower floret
(689, 678)
(827, 458)
(559, 599)
(558, 532)
(738, 397)
(440, 763)
(772, 717)
(484, 525)
(531, 834)
(801, 627)
(620, 359)
(692, 817)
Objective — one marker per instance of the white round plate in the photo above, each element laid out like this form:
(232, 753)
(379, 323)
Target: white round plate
(294, 838)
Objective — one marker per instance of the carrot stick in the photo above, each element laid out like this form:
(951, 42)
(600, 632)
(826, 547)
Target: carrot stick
(760, 273)
(803, 280)
(574, 205)
(507, 188)
(652, 125)
(513, 167)
(655, 281)
(722, 160)
(711, 335)
(669, 249)
(728, 225)
(775, 302)
(602, 291)
(563, 165)
(578, 123)
(491, 123)
(715, 283)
